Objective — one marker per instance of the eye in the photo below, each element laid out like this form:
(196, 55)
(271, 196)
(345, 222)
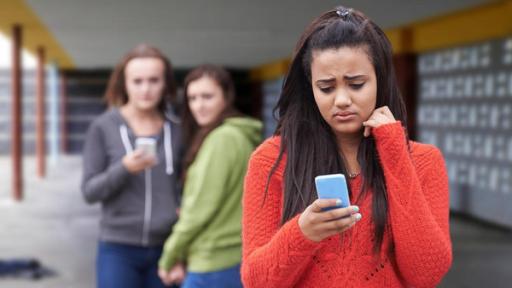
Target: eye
(207, 96)
(154, 80)
(326, 90)
(191, 98)
(137, 81)
(356, 86)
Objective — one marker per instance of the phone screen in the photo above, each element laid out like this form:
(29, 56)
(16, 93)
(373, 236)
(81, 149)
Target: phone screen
(148, 145)
(333, 186)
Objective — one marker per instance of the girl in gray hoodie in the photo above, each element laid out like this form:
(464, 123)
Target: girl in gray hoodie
(137, 188)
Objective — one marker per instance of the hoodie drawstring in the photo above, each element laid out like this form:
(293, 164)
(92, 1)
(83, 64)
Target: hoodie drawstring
(169, 169)
(124, 137)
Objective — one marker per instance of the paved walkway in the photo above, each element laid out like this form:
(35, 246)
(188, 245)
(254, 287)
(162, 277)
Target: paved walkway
(54, 225)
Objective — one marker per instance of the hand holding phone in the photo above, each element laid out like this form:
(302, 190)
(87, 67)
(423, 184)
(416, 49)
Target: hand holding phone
(143, 157)
(330, 214)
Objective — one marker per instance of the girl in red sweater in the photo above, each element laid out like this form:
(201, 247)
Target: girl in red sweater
(340, 111)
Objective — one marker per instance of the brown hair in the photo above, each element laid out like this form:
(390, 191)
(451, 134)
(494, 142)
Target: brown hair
(116, 94)
(193, 135)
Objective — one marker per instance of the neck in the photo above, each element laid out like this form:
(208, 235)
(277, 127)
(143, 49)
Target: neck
(134, 113)
(348, 147)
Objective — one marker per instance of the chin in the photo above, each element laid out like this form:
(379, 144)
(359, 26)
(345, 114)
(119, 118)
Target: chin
(203, 123)
(348, 129)
(147, 107)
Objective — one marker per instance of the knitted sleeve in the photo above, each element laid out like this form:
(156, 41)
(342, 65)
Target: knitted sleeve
(418, 201)
(273, 255)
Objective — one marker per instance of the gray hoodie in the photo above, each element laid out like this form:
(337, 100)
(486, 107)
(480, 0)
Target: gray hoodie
(137, 209)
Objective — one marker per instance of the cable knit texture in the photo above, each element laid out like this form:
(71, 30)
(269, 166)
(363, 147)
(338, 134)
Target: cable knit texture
(416, 251)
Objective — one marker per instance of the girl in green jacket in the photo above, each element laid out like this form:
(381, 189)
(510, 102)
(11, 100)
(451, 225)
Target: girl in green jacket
(220, 140)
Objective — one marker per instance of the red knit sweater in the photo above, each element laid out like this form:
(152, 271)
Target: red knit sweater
(416, 251)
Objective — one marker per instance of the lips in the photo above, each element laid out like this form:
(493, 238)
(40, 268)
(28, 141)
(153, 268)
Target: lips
(344, 115)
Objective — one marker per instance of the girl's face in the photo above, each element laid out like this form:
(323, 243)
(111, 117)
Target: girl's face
(205, 100)
(345, 88)
(144, 82)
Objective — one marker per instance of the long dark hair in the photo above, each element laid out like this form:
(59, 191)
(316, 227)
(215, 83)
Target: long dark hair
(116, 94)
(307, 139)
(193, 135)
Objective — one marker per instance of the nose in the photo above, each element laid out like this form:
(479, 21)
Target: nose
(145, 87)
(199, 103)
(195, 105)
(342, 98)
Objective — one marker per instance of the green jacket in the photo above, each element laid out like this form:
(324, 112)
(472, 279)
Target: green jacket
(207, 234)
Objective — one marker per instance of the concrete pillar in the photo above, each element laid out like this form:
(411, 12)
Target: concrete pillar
(16, 114)
(53, 114)
(41, 111)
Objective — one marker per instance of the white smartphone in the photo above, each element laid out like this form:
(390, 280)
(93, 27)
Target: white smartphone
(333, 186)
(148, 145)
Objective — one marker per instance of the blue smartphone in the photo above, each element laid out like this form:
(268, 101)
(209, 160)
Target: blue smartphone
(333, 186)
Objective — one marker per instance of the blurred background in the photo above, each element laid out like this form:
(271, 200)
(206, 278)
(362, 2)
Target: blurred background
(453, 60)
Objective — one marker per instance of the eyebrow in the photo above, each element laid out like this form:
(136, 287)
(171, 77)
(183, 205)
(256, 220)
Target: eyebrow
(355, 77)
(325, 80)
(349, 78)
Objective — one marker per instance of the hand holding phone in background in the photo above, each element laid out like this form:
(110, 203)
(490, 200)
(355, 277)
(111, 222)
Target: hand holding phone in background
(331, 213)
(143, 157)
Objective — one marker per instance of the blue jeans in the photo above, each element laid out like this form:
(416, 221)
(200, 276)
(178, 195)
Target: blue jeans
(227, 278)
(127, 266)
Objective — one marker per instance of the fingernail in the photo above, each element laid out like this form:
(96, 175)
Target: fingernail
(338, 202)
(355, 209)
(358, 217)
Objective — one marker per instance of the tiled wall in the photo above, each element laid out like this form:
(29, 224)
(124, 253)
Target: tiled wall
(465, 109)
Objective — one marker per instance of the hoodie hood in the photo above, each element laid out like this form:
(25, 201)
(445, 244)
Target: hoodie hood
(250, 127)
